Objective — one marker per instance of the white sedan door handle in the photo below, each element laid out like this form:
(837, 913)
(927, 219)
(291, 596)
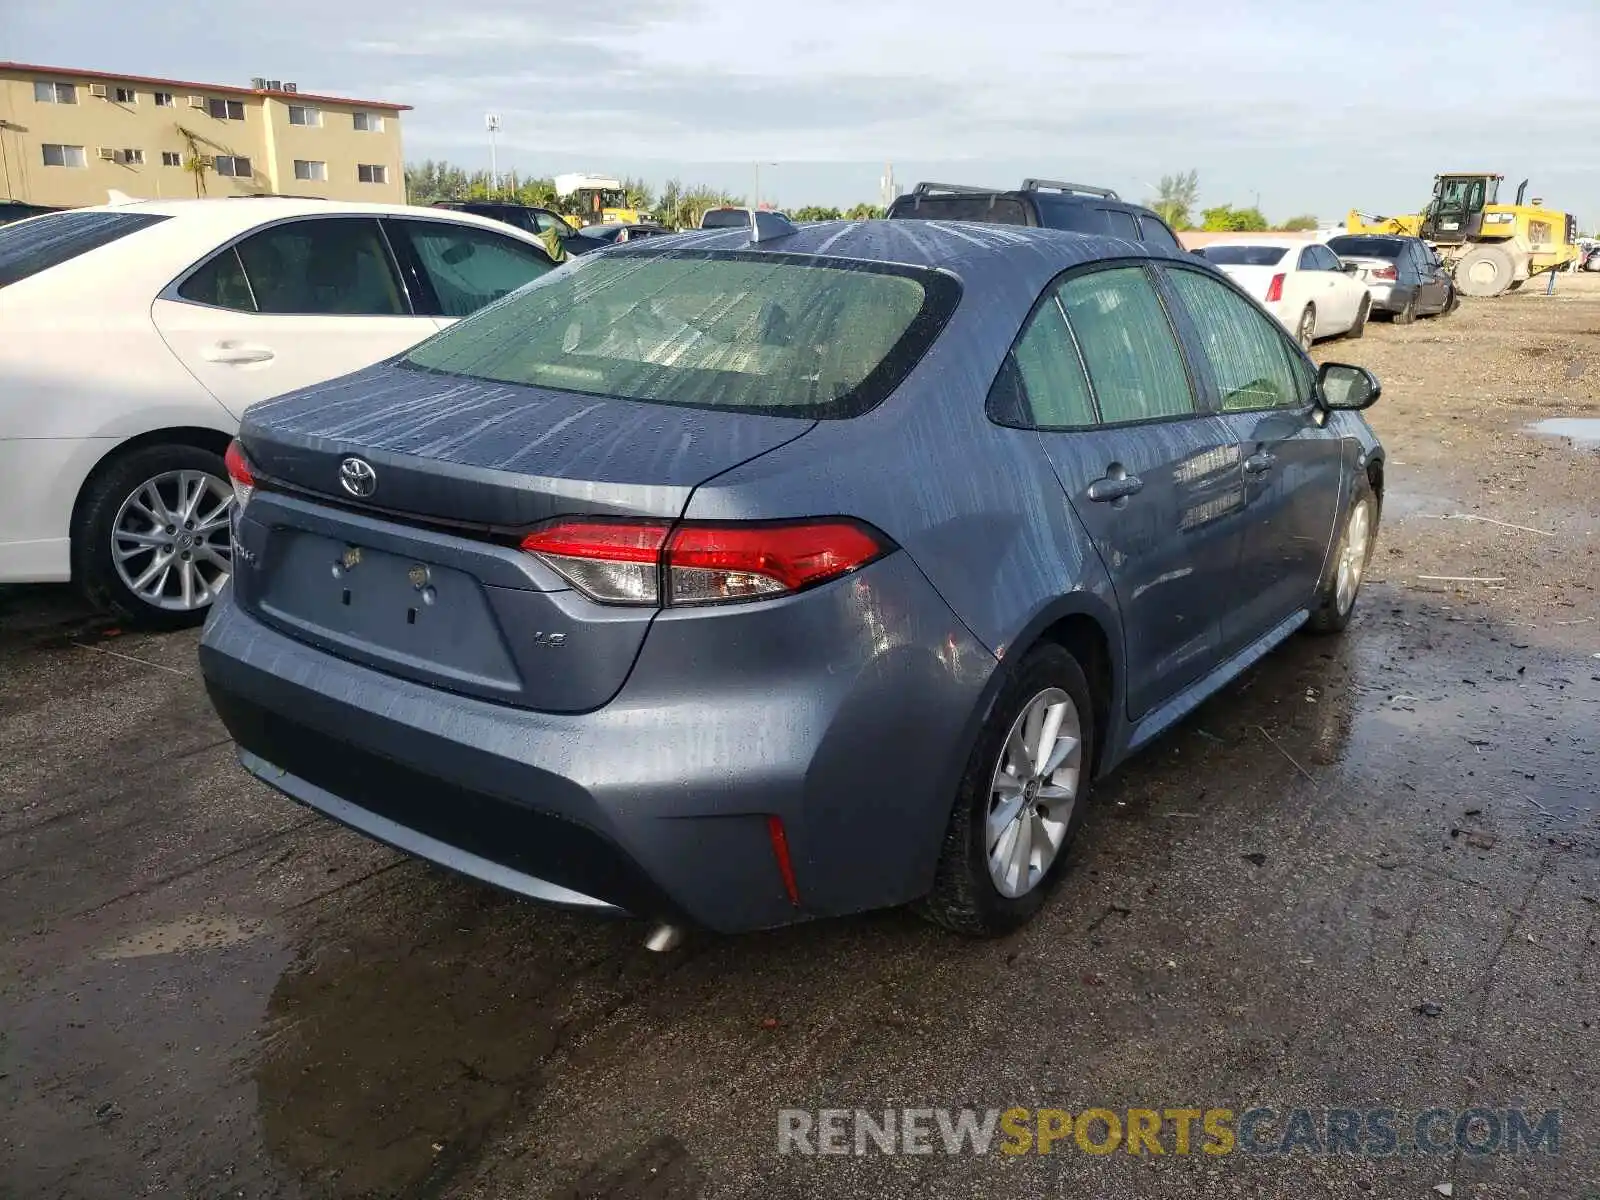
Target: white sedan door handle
(235, 352)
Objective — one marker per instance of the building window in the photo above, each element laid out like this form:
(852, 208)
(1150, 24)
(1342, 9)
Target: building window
(226, 110)
(55, 93)
(126, 96)
(134, 158)
(171, 158)
(309, 169)
(162, 99)
(64, 156)
(367, 122)
(233, 165)
(372, 173)
(299, 114)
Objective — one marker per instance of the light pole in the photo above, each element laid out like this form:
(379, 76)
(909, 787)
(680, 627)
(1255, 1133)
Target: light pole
(491, 122)
(756, 202)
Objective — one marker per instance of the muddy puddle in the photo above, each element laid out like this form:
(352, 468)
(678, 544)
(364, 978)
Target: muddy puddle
(1582, 431)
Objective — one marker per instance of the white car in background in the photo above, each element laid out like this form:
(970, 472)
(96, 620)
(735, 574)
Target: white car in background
(133, 336)
(1301, 283)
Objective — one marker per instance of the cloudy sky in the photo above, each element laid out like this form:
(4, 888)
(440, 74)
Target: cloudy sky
(1311, 107)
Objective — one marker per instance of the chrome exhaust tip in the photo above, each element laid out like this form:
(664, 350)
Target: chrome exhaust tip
(664, 938)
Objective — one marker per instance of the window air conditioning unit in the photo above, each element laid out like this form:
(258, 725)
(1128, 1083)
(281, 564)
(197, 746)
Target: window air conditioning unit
(98, 89)
(274, 85)
(107, 154)
(258, 82)
(291, 87)
(197, 101)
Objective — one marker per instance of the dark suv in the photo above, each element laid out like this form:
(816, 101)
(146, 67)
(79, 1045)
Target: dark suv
(1043, 202)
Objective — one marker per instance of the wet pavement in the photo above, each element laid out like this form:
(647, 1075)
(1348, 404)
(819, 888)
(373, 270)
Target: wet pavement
(1366, 875)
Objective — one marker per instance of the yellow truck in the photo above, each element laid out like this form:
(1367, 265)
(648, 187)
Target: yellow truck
(596, 200)
(1491, 248)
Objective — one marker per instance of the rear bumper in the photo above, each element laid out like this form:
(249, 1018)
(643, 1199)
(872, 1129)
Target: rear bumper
(843, 711)
(1390, 297)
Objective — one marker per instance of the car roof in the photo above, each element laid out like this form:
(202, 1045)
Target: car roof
(226, 217)
(1029, 255)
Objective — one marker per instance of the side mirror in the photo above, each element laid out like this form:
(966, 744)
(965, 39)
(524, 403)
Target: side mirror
(1200, 252)
(1347, 388)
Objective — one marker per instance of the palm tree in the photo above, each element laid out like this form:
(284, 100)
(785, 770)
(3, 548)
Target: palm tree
(1176, 197)
(195, 161)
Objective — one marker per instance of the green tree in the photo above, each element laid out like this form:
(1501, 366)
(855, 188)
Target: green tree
(1300, 224)
(195, 160)
(1224, 218)
(639, 193)
(813, 212)
(866, 212)
(1176, 197)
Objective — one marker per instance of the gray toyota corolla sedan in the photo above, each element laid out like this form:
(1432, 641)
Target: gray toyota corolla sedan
(750, 576)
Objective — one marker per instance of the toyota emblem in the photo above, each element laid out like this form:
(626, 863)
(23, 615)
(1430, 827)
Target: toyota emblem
(357, 477)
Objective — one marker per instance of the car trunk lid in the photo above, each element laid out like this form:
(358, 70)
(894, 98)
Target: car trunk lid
(422, 576)
(1370, 267)
(1255, 280)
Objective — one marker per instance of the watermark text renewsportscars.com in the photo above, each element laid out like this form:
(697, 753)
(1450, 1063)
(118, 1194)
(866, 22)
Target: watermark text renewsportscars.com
(1214, 1131)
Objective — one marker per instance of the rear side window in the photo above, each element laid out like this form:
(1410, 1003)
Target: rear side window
(1154, 233)
(1128, 345)
(1122, 224)
(761, 332)
(334, 266)
(35, 245)
(1052, 377)
(469, 267)
(725, 218)
(1248, 356)
(987, 209)
(1078, 218)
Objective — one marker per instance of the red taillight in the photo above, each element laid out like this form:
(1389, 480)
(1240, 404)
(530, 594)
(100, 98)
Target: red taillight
(1275, 289)
(626, 562)
(1388, 273)
(243, 479)
(614, 561)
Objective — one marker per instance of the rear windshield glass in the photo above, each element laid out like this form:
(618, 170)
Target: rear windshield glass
(29, 247)
(1367, 247)
(1245, 256)
(991, 210)
(787, 335)
(724, 218)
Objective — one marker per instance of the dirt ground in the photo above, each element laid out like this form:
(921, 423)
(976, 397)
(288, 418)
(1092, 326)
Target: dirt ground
(1367, 875)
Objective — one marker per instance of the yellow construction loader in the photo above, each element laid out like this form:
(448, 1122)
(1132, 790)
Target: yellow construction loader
(596, 200)
(1491, 248)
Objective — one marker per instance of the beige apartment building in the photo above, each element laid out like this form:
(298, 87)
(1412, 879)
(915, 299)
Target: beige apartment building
(70, 137)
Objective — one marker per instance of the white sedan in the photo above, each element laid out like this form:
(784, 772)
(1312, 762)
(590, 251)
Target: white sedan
(133, 336)
(1301, 283)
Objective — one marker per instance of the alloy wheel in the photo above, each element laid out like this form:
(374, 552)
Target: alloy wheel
(1308, 328)
(1353, 556)
(171, 543)
(1033, 792)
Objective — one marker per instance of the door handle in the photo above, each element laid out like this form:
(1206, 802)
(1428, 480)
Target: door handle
(235, 352)
(1260, 462)
(1117, 485)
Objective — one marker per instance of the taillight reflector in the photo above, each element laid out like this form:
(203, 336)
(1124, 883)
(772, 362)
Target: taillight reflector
(239, 473)
(627, 562)
(780, 851)
(1275, 289)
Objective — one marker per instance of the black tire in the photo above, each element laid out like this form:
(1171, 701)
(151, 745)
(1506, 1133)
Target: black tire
(1327, 617)
(108, 489)
(1305, 329)
(1360, 327)
(964, 896)
(1407, 314)
(1452, 302)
